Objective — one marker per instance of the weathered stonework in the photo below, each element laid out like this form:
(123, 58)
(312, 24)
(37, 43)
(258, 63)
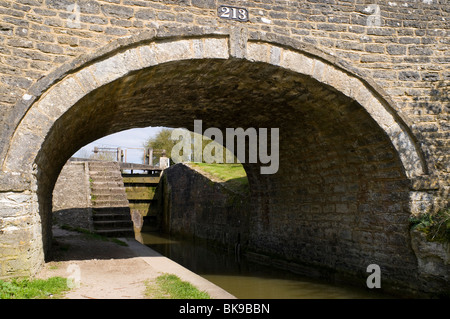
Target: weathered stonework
(434, 263)
(193, 206)
(21, 244)
(190, 205)
(360, 90)
(72, 196)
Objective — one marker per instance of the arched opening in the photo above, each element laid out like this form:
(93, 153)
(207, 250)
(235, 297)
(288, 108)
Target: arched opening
(339, 200)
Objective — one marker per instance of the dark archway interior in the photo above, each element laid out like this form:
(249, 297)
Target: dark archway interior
(340, 196)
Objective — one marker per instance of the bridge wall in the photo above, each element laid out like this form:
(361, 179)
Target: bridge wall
(393, 52)
(401, 45)
(317, 243)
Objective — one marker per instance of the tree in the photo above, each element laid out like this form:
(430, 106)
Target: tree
(101, 155)
(104, 155)
(161, 141)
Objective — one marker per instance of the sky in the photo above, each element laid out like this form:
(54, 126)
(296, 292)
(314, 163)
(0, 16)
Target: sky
(133, 138)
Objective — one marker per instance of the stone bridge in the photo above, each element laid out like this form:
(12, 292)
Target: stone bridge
(358, 88)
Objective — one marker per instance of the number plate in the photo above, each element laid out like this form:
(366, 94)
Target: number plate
(233, 13)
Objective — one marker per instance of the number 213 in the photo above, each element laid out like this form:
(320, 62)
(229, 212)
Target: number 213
(233, 13)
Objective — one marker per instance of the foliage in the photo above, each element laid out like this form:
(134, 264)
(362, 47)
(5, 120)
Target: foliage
(169, 286)
(104, 156)
(33, 289)
(161, 141)
(436, 226)
(101, 155)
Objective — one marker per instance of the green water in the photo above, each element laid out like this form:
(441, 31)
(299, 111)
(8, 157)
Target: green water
(249, 280)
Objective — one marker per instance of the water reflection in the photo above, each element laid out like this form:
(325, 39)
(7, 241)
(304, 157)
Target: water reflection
(245, 279)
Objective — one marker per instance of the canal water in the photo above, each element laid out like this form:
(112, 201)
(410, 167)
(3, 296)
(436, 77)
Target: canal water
(249, 280)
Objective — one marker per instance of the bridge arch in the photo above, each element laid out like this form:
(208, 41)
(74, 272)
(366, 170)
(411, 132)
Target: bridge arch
(348, 146)
(117, 59)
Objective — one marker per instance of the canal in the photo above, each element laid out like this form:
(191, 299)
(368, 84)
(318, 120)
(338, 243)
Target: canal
(249, 280)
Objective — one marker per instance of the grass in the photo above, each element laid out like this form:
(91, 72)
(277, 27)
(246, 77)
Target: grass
(223, 171)
(33, 289)
(231, 175)
(169, 286)
(435, 226)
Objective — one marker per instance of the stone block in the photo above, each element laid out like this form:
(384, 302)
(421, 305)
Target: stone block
(215, 48)
(337, 79)
(86, 80)
(297, 62)
(421, 202)
(145, 14)
(238, 42)
(116, 66)
(9, 210)
(50, 48)
(37, 122)
(275, 55)
(379, 113)
(362, 237)
(172, 51)
(120, 12)
(13, 182)
(60, 98)
(56, 4)
(208, 4)
(408, 76)
(396, 49)
(420, 50)
(342, 208)
(94, 20)
(89, 6)
(22, 152)
(166, 16)
(20, 43)
(319, 70)
(257, 52)
(148, 55)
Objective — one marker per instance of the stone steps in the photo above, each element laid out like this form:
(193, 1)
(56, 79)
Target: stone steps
(105, 178)
(111, 211)
(109, 187)
(105, 195)
(109, 202)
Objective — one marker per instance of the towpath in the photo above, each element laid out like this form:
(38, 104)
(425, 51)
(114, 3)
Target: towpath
(107, 270)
